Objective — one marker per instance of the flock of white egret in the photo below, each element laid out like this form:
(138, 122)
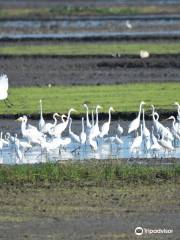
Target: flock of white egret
(49, 136)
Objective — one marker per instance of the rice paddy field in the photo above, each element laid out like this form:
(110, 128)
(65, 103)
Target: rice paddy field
(68, 53)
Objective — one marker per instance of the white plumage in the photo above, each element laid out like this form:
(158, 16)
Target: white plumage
(134, 125)
(3, 87)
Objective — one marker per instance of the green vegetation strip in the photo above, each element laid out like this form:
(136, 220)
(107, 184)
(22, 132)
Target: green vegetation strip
(90, 171)
(124, 98)
(91, 49)
(85, 11)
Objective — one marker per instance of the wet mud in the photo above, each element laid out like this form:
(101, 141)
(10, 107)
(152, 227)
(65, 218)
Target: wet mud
(87, 70)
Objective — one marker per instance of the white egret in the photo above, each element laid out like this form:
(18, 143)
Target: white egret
(29, 126)
(49, 126)
(94, 132)
(155, 145)
(134, 125)
(178, 111)
(146, 132)
(165, 144)
(23, 144)
(73, 136)
(59, 128)
(120, 129)
(32, 135)
(82, 134)
(137, 142)
(88, 124)
(115, 139)
(92, 116)
(144, 54)
(93, 144)
(160, 129)
(2, 142)
(175, 128)
(49, 146)
(18, 152)
(106, 125)
(4, 90)
(55, 143)
(128, 24)
(41, 121)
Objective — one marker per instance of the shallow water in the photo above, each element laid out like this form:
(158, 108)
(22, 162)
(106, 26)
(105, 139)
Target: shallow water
(106, 148)
(89, 27)
(82, 35)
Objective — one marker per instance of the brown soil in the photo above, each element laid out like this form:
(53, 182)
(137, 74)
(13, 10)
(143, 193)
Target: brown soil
(72, 212)
(74, 70)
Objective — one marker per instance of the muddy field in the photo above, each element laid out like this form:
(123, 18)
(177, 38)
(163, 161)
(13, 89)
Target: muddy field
(106, 212)
(57, 70)
(89, 3)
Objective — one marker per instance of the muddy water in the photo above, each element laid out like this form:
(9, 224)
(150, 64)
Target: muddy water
(107, 149)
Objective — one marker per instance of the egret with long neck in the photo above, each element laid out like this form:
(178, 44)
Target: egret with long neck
(106, 125)
(59, 128)
(41, 121)
(83, 134)
(134, 125)
(94, 132)
(88, 124)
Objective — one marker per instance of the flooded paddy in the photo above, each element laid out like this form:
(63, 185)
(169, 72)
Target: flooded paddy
(75, 27)
(108, 148)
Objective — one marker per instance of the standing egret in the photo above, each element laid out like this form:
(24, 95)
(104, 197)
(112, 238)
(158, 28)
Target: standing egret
(160, 129)
(18, 152)
(41, 121)
(73, 136)
(166, 144)
(29, 126)
(83, 134)
(175, 128)
(2, 142)
(92, 116)
(88, 124)
(106, 125)
(49, 126)
(155, 147)
(4, 90)
(32, 135)
(134, 125)
(137, 142)
(94, 132)
(178, 111)
(59, 128)
(146, 132)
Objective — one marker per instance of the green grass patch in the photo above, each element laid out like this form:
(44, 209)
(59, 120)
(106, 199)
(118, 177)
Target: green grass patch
(124, 98)
(95, 171)
(85, 11)
(91, 49)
